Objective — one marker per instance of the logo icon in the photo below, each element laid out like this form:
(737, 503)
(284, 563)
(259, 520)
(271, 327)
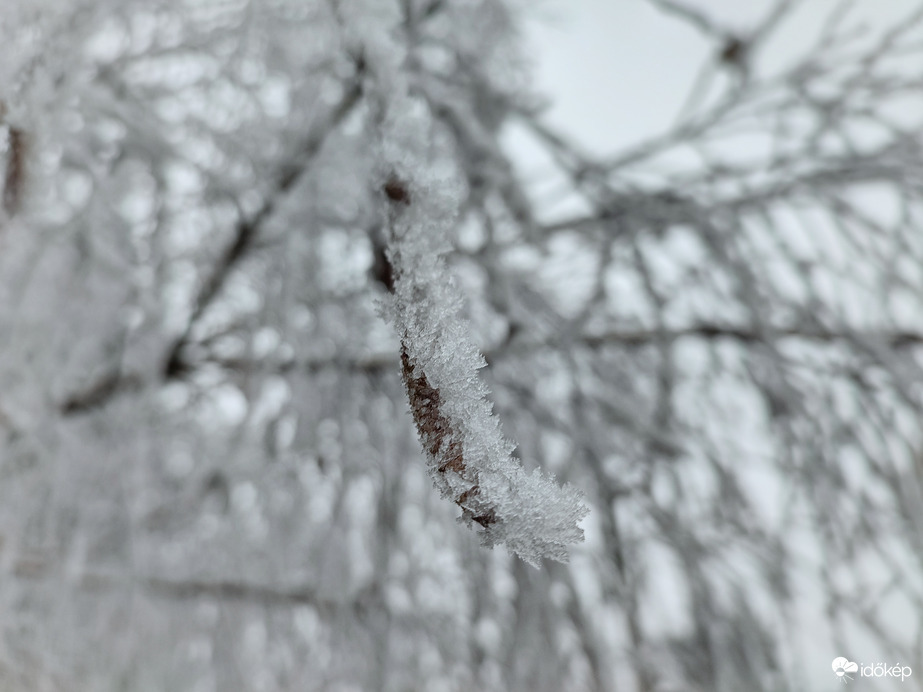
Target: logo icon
(842, 667)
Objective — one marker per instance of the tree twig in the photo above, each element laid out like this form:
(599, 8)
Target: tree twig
(248, 228)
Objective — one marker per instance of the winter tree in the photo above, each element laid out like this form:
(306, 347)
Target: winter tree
(308, 383)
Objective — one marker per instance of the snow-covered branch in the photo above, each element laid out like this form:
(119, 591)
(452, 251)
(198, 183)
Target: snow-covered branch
(469, 458)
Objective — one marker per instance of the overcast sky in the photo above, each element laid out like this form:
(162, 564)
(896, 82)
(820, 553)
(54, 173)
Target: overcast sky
(620, 71)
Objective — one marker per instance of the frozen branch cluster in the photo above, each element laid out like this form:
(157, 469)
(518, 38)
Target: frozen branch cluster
(209, 479)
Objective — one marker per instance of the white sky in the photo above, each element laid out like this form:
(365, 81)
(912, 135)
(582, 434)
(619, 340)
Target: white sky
(619, 70)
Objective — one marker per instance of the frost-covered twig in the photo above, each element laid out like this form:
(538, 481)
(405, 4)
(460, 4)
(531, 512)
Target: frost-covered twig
(469, 458)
